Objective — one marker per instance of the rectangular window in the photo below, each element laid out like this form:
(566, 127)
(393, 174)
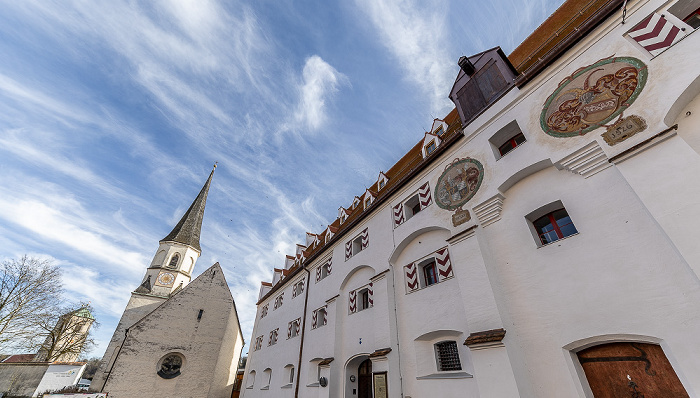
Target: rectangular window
(278, 301)
(412, 206)
(511, 144)
(429, 275)
(363, 295)
(258, 343)
(263, 311)
(298, 289)
(447, 356)
(688, 11)
(368, 202)
(293, 328)
(356, 245)
(273, 337)
(439, 131)
(554, 226)
(381, 184)
(430, 148)
(319, 318)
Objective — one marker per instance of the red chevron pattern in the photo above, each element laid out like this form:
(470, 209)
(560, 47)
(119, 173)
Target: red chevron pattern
(370, 293)
(348, 250)
(442, 257)
(656, 34)
(273, 337)
(424, 196)
(258, 343)
(318, 273)
(411, 277)
(297, 325)
(329, 265)
(398, 215)
(263, 311)
(314, 318)
(353, 301)
(365, 238)
(289, 329)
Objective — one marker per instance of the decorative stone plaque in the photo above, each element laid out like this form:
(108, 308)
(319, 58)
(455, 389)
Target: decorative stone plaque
(458, 183)
(624, 129)
(460, 217)
(592, 96)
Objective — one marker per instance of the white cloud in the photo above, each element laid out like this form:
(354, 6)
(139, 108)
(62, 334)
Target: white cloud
(415, 35)
(320, 82)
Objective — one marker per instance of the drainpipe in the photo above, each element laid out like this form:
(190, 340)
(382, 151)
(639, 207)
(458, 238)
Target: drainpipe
(126, 333)
(396, 322)
(303, 329)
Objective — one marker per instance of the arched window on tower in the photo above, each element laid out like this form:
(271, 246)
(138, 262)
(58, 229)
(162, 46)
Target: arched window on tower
(174, 260)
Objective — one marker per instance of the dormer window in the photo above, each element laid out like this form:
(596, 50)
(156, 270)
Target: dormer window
(430, 148)
(482, 79)
(440, 131)
(381, 184)
(368, 202)
(174, 260)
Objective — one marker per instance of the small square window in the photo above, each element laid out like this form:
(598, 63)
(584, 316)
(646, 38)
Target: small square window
(439, 131)
(412, 207)
(506, 139)
(293, 328)
(298, 289)
(429, 273)
(554, 226)
(511, 144)
(363, 298)
(357, 245)
(447, 355)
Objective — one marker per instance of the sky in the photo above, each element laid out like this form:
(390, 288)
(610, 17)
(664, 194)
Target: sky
(114, 112)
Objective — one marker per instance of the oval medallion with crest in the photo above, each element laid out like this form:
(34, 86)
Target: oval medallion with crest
(592, 96)
(458, 183)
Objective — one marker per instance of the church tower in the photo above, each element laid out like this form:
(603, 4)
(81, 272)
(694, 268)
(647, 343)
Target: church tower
(169, 272)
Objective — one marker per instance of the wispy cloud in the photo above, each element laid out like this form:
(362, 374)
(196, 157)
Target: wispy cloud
(415, 34)
(319, 82)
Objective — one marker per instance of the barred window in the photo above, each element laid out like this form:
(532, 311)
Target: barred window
(447, 356)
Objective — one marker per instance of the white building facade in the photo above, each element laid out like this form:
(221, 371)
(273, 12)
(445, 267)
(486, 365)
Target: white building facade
(537, 242)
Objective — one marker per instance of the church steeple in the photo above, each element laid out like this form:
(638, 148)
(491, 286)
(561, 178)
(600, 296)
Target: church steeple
(177, 253)
(188, 229)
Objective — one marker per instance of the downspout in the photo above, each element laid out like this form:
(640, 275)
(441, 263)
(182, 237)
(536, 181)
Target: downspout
(396, 322)
(303, 329)
(109, 373)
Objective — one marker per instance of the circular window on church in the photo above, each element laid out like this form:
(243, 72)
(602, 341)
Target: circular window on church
(170, 365)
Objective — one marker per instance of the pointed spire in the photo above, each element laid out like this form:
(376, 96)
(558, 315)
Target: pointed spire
(188, 229)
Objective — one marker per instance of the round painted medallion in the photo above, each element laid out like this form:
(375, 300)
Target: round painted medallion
(593, 96)
(458, 183)
(166, 278)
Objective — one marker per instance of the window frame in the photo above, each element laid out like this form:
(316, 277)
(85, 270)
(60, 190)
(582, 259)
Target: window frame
(439, 360)
(430, 147)
(410, 205)
(432, 266)
(363, 299)
(356, 245)
(547, 211)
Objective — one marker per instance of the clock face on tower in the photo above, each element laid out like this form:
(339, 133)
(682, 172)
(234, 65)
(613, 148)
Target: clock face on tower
(165, 279)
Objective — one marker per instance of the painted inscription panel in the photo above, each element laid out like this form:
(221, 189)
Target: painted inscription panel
(459, 182)
(592, 96)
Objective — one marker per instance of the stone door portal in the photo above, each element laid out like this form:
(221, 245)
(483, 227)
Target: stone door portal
(633, 370)
(364, 379)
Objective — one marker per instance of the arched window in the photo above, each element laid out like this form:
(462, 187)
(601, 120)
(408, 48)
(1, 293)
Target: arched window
(174, 260)
(267, 379)
(251, 379)
(289, 370)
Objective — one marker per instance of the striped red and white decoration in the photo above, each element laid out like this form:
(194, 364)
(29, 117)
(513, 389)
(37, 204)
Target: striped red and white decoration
(444, 265)
(365, 238)
(314, 318)
(398, 215)
(424, 196)
(318, 273)
(370, 294)
(263, 311)
(329, 265)
(411, 277)
(289, 329)
(656, 34)
(353, 301)
(348, 250)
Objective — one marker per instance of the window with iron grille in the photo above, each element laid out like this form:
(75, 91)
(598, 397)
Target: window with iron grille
(447, 356)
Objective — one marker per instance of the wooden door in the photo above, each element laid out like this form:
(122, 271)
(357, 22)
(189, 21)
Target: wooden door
(632, 370)
(364, 380)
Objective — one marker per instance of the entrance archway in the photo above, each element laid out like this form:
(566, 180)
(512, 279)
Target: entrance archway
(630, 370)
(364, 379)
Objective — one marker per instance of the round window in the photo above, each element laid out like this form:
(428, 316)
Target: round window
(170, 365)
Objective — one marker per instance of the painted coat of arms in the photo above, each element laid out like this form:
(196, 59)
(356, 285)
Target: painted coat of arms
(593, 96)
(458, 183)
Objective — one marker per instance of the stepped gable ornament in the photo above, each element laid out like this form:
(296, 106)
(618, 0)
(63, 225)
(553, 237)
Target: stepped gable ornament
(458, 183)
(593, 96)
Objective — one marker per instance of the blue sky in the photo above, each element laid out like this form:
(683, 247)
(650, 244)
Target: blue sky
(113, 114)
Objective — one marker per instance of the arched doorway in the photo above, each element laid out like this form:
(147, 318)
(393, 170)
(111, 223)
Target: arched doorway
(634, 370)
(364, 379)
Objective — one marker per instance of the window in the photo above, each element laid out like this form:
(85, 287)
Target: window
(258, 343)
(511, 144)
(554, 226)
(412, 206)
(298, 289)
(381, 184)
(439, 131)
(293, 328)
(278, 301)
(357, 245)
(447, 356)
(289, 370)
(325, 270)
(319, 318)
(368, 202)
(429, 275)
(251, 379)
(364, 299)
(273, 337)
(174, 260)
(263, 310)
(267, 373)
(688, 11)
(430, 148)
